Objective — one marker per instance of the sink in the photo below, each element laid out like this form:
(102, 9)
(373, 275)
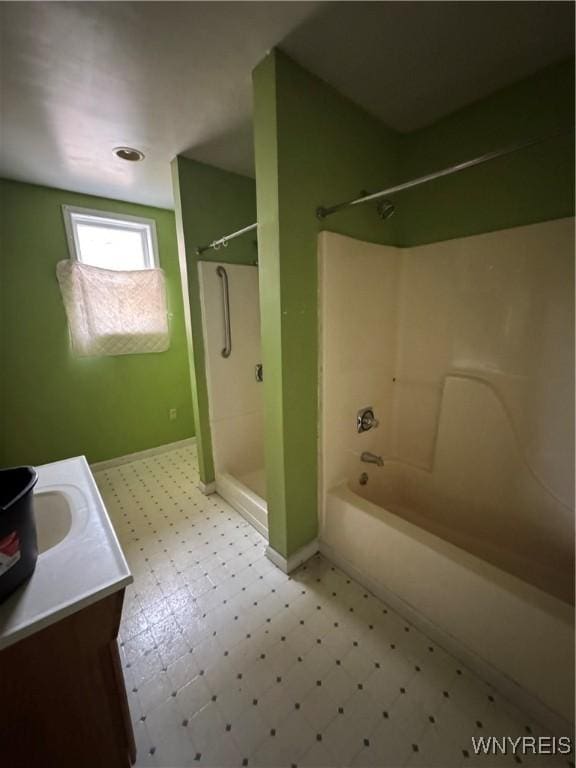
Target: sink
(53, 518)
(80, 560)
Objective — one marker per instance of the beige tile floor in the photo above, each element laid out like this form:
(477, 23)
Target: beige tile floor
(229, 662)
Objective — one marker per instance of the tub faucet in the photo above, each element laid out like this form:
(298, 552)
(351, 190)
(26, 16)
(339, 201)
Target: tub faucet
(371, 458)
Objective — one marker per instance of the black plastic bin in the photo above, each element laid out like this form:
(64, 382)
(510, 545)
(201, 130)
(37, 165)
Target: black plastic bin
(18, 545)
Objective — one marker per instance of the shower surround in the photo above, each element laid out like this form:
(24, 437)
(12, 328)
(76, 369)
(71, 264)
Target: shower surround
(464, 349)
(234, 393)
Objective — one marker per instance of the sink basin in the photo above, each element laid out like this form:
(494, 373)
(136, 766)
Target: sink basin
(80, 559)
(53, 518)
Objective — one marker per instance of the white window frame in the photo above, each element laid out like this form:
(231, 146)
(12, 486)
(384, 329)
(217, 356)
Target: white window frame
(95, 217)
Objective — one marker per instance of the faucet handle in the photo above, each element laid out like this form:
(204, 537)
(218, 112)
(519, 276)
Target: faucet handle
(366, 420)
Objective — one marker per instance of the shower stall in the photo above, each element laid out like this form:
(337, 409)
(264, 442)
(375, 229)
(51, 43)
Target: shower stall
(446, 443)
(231, 326)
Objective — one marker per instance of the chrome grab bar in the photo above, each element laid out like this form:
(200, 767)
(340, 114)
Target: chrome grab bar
(221, 272)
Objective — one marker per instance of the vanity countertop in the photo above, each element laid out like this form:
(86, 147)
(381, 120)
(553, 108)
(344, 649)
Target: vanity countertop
(85, 566)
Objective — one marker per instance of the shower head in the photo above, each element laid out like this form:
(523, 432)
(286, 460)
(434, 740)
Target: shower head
(385, 209)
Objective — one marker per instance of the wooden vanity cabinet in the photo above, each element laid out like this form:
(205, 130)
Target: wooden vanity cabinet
(63, 701)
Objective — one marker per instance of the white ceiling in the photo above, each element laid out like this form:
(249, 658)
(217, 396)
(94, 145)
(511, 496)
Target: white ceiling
(411, 63)
(78, 79)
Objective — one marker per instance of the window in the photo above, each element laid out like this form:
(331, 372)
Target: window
(113, 290)
(110, 240)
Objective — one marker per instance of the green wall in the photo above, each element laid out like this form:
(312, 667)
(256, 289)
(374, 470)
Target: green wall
(54, 404)
(534, 184)
(210, 203)
(314, 147)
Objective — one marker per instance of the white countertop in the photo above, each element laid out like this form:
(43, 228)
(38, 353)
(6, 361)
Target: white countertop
(87, 565)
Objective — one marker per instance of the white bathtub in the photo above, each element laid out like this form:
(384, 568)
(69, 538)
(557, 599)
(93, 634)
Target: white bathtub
(518, 637)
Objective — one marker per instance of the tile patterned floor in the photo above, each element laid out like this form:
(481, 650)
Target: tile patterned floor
(229, 662)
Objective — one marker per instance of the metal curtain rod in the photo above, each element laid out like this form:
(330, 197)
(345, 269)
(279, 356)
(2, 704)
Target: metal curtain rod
(223, 241)
(322, 212)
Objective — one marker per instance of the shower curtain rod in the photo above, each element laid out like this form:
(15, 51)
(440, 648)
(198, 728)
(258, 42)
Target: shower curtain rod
(223, 241)
(322, 212)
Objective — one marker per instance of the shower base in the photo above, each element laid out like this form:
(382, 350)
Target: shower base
(245, 493)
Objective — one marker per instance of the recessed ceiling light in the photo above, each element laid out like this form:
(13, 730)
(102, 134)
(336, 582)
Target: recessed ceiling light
(129, 153)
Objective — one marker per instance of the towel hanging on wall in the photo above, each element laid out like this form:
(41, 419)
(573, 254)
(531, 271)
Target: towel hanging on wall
(111, 312)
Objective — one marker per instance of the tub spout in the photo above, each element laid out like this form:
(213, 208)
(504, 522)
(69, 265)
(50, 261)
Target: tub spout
(371, 458)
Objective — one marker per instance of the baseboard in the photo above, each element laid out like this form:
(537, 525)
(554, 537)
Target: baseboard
(509, 689)
(207, 488)
(98, 466)
(294, 561)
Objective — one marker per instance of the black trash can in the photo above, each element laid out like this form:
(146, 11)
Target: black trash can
(18, 545)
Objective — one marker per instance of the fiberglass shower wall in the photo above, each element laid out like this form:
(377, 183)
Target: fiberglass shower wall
(465, 350)
(234, 391)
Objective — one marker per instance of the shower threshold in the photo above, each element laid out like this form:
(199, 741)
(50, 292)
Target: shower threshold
(241, 493)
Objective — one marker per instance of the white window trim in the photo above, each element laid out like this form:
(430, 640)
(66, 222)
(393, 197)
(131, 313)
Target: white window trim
(109, 219)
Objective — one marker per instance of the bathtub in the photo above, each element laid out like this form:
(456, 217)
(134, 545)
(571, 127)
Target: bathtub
(517, 636)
